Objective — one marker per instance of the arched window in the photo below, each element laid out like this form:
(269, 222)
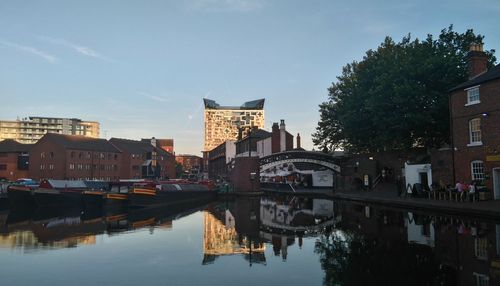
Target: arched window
(80, 155)
(475, 131)
(477, 170)
(72, 154)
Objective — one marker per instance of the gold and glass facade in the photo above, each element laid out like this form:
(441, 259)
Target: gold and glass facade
(223, 123)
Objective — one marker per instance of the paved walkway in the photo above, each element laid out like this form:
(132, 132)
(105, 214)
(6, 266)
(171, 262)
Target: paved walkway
(386, 194)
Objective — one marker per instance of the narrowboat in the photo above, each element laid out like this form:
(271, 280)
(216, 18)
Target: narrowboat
(20, 193)
(54, 193)
(169, 192)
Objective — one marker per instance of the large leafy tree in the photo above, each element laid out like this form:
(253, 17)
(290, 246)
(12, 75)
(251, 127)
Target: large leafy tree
(397, 96)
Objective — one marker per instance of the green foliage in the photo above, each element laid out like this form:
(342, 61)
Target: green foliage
(397, 96)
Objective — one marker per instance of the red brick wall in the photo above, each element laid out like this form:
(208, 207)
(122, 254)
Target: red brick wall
(490, 130)
(9, 160)
(84, 166)
(240, 175)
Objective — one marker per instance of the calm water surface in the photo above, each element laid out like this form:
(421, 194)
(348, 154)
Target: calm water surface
(248, 241)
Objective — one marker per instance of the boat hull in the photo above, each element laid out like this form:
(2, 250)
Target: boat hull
(55, 198)
(142, 198)
(20, 196)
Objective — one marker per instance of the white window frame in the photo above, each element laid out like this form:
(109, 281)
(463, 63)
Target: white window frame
(471, 92)
(475, 133)
(476, 175)
(481, 279)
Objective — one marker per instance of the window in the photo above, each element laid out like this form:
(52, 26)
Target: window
(42, 167)
(51, 166)
(51, 155)
(89, 155)
(72, 154)
(475, 131)
(71, 166)
(42, 155)
(473, 95)
(481, 279)
(477, 170)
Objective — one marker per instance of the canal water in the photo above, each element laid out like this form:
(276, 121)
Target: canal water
(282, 240)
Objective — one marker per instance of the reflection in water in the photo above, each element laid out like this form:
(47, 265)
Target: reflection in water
(30, 230)
(355, 244)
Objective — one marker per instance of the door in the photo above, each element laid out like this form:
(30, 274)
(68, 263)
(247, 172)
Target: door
(423, 180)
(496, 183)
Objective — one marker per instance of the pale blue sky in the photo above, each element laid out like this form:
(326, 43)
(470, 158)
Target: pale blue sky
(141, 68)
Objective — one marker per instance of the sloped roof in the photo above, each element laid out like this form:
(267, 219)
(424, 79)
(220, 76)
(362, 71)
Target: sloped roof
(78, 142)
(491, 74)
(12, 146)
(254, 104)
(131, 146)
(258, 134)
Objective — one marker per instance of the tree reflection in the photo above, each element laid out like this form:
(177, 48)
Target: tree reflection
(349, 259)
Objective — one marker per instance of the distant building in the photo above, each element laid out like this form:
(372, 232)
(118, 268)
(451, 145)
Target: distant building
(475, 117)
(223, 123)
(73, 157)
(140, 159)
(189, 162)
(14, 159)
(166, 144)
(32, 129)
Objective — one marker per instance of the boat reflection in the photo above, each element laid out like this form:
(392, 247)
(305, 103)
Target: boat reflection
(42, 229)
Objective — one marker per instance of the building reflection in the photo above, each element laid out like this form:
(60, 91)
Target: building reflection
(231, 229)
(414, 246)
(45, 229)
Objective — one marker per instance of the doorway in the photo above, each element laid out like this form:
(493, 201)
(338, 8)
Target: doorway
(496, 182)
(424, 180)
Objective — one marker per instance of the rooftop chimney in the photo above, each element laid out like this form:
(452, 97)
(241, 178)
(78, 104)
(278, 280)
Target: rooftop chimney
(298, 140)
(282, 124)
(276, 127)
(477, 60)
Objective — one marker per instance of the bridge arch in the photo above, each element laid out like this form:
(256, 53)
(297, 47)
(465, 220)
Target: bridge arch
(317, 158)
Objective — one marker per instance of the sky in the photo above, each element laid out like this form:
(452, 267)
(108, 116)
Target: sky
(141, 68)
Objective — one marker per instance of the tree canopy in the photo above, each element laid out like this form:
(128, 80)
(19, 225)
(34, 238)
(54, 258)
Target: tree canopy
(397, 96)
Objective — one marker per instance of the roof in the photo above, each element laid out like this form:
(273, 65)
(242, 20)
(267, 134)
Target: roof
(252, 105)
(131, 146)
(491, 74)
(12, 146)
(258, 134)
(159, 150)
(78, 142)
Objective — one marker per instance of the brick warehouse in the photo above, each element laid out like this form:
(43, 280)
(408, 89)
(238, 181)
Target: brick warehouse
(475, 121)
(140, 159)
(70, 157)
(14, 159)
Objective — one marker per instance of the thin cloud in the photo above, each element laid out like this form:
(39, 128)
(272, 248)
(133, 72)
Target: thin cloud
(83, 50)
(154, 97)
(227, 5)
(32, 50)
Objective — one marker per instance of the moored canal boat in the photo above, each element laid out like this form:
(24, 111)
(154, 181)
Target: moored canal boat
(20, 193)
(169, 192)
(54, 193)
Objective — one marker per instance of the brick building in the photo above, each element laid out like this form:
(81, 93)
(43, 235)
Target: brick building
(72, 157)
(475, 120)
(14, 159)
(189, 162)
(219, 158)
(279, 141)
(140, 159)
(167, 159)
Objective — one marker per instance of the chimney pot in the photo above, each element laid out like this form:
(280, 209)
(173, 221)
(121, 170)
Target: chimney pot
(477, 60)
